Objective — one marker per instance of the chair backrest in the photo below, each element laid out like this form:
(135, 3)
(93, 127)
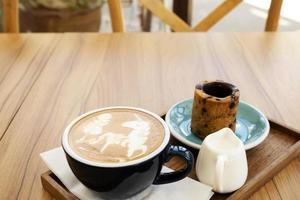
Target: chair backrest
(178, 25)
(11, 15)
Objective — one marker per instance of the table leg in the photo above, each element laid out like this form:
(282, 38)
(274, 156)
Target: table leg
(183, 8)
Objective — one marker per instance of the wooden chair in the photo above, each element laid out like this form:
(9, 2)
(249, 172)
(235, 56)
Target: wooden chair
(182, 8)
(179, 25)
(116, 15)
(11, 15)
(273, 15)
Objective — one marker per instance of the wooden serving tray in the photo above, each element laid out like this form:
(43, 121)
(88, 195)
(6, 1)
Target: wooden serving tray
(264, 162)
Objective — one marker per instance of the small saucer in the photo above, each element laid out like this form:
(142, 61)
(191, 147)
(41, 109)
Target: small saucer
(252, 125)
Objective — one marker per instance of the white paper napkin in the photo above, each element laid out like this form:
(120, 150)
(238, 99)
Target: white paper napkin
(187, 188)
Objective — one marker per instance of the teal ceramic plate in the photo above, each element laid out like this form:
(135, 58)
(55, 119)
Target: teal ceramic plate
(252, 125)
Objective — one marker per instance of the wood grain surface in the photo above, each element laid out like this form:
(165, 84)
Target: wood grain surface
(48, 79)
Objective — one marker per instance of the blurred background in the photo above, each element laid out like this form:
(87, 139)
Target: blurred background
(93, 16)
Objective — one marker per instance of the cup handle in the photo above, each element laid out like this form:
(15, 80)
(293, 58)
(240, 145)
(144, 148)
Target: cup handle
(170, 177)
(219, 173)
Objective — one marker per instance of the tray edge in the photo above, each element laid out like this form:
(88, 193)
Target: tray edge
(263, 177)
(55, 189)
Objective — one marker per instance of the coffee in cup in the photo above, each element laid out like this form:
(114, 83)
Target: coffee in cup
(119, 151)
(116, 135)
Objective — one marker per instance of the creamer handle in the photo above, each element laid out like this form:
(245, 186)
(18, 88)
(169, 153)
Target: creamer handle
(219, 173)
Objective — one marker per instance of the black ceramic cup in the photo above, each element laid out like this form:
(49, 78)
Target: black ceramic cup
(126, 179)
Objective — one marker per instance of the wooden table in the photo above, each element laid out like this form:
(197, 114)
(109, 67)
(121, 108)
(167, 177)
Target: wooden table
(48, 79)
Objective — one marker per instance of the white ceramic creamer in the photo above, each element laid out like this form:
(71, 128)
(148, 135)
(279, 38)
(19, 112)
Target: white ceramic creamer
(222, 161)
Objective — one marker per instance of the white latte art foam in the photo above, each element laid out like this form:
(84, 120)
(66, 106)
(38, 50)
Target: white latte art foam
(117, 135)
(134, 141)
